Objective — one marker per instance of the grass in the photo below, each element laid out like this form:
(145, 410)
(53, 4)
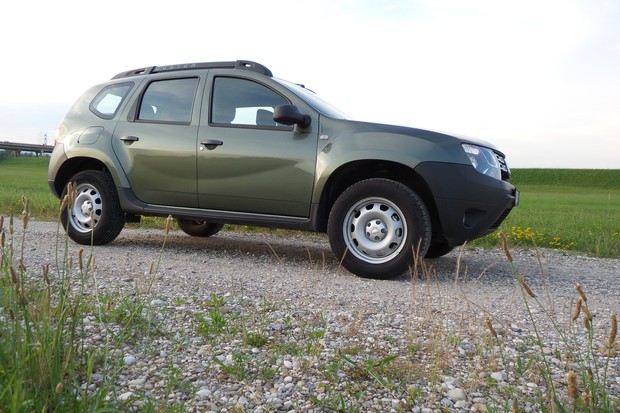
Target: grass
(566, 209)
(574, 210)
(27, 176)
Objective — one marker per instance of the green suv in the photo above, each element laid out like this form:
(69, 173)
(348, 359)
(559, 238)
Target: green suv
(226, 142)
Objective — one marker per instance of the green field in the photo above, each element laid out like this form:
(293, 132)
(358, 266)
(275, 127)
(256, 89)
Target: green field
(26, 176)
(569, 209)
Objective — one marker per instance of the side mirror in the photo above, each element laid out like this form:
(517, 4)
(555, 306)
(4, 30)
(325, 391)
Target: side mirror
(290, 115)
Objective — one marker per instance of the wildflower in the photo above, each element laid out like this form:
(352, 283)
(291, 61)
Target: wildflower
(25, 212)
(515, 406)
(587, 322)
(581, 293)
(586, 398)
(577, 309)
(46, 270)
(573, 391)
(487, 321)
(14, 278)
(505, 246)
(168, 224)
(64, 202)
(80, 262)
(527, 289)
(613, 332)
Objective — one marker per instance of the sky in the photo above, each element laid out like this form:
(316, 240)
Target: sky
(540, 79)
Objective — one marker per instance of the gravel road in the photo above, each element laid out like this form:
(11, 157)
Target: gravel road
(333, 339)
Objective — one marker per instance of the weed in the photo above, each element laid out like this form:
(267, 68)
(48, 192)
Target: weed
(590, 367)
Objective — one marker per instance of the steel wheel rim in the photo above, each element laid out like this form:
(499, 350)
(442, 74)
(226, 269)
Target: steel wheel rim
(87, 200)
(374, 230)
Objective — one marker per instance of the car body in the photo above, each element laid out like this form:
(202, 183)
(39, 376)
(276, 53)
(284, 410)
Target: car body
(227, 142)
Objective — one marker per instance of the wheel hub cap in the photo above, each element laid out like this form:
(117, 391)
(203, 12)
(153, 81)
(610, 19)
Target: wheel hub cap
(376, 230)
(87, 206)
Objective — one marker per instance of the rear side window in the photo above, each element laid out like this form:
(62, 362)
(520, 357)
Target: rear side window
(109, 100)
(169, 100)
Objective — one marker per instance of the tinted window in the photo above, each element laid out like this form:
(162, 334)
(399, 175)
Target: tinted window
(169, 100)
(243, 102)
(109, 100)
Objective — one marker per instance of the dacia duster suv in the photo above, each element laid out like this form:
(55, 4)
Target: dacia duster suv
(226, 142)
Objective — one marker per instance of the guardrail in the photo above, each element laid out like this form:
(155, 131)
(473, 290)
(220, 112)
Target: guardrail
(39, 150)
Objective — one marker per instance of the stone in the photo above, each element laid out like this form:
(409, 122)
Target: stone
(457, 394)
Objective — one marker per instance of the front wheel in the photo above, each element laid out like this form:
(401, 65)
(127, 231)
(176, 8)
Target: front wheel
(377, 227)
(93, 214)
(197, 228)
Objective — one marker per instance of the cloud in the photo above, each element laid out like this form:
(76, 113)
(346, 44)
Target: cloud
(503, 71)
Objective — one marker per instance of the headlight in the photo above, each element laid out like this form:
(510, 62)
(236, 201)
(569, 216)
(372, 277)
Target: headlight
(483, 160)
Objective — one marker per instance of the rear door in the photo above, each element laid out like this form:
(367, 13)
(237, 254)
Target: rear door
(156, 142)
(247, 162)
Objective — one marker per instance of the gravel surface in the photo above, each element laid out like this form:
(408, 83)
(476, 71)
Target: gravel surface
(264, 322)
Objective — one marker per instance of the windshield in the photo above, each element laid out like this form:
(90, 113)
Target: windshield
(314, 100)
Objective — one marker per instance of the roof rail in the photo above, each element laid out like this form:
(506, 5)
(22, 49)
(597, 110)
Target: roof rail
(239, 64)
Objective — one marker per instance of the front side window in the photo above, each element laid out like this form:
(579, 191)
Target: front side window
(109, 100)
(168, 100)
(243, 102)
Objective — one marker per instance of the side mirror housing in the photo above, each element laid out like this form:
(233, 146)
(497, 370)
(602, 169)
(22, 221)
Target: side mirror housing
(290, 115)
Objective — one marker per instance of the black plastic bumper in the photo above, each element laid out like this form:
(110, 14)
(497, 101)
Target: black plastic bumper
(469, 205)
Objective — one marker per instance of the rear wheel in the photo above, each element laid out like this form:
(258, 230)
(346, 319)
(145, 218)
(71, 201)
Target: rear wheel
(197, 228)
(377, 226)
(93, 215)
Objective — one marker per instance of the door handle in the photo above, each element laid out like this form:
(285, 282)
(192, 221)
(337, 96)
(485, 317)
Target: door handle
(211, 144)
(129, 139)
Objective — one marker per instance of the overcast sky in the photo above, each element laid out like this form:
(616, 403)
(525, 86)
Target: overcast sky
(538, 78)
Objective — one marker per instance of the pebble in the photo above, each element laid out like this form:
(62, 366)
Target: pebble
(129, 360)
(457, 394)
(330, 336)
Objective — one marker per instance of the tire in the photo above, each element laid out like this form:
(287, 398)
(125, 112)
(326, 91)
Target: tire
(94, 191)
(197, 228)
(438, 249)
(376, 225)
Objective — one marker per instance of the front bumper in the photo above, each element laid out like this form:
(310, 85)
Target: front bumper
(469, 205)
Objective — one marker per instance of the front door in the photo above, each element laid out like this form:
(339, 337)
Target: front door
(247, 162)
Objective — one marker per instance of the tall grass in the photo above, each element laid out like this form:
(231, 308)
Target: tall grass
(584, 388)
(45, 363)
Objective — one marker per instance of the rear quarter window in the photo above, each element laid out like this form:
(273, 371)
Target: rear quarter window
(108, 101)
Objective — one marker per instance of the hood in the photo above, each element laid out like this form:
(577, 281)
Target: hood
(427, 134)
